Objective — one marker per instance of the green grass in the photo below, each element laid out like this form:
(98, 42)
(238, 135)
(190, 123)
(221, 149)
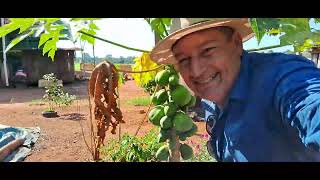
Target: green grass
(77, 66)
(139, 101)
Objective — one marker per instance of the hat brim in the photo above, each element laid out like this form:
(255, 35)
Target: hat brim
(162, 53)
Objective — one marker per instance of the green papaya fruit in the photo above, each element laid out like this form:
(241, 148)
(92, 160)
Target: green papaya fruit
(182, 122)
(156, 114)
(162, 77)
(180, 95)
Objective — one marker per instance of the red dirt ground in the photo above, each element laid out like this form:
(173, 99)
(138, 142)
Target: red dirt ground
(61, 138)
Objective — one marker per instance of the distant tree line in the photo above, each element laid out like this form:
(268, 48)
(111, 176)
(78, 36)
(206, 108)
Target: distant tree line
(116, 60)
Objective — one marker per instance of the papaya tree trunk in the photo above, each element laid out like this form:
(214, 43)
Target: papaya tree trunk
(175, 151)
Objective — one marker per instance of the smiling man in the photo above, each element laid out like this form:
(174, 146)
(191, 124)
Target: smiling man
(259, 107)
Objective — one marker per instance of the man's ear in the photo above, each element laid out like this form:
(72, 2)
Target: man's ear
(238, 39)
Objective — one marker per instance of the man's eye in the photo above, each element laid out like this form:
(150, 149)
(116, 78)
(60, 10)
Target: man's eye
(208, 51)
(184, 62)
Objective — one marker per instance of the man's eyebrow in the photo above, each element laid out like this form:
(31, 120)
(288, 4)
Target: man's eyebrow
(207, 43)
(178, 54)
(200, 46)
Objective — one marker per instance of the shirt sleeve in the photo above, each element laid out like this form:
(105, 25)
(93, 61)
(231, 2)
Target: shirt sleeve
(297, 98)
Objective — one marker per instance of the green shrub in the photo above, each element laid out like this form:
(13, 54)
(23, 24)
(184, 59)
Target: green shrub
(132, 149)
(150, 86)
(54, 93)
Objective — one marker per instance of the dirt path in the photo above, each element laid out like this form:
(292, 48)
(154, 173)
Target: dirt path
(61, 138)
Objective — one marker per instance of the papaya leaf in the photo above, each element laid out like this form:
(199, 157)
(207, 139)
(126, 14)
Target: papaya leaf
(87, 38)
(39, 29)
(296, 32)
(167, 21)
(19, 39)
(50, 38)
(52, 52)
(8, 28)
(48, 46)
(27, 24)
(159, 25)
(44, 38)
(257, 29)
(262, 26)
(93, 26)
(274, 32)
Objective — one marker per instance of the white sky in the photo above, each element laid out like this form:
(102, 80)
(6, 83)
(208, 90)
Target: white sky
(132, 32)
(135, 32)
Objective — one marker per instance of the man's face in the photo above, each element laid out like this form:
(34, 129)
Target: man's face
(209, 63)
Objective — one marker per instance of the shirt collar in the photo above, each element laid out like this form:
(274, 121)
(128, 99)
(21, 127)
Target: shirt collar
(240, 88)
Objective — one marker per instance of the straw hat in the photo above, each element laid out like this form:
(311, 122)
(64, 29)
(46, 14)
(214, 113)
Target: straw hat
(162, 52)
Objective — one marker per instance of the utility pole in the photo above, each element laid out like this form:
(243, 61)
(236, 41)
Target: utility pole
(94, 57)
(4, 56)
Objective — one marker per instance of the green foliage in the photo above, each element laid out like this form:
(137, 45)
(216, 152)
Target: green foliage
(160, 25)
(298, 33)
(49, 30)
(17, 23)
(261, 26)
(91, 29)
(50, 39)
(291, 31)
(86, 25)
(54, 93)
(18, 39)
(132, 149)
(150, 86)
(88, 59)
(47, 27)
(119, 60)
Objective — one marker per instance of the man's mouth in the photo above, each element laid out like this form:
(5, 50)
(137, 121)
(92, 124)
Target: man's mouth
(214, 77)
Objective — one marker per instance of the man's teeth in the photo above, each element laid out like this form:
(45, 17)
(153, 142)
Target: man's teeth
(208, 80)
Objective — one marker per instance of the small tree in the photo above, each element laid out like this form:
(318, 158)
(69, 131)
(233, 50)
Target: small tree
(54, 93)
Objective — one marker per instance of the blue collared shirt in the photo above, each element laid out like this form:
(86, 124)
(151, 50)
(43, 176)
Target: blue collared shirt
(273, 111)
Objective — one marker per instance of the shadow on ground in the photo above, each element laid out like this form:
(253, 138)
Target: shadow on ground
(72, 116)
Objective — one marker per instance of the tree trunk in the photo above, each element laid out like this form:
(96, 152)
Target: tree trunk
(175, 151)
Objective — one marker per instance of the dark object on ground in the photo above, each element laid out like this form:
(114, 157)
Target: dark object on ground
(49, 114)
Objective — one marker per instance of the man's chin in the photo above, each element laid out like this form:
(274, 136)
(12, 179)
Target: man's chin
(209, 97)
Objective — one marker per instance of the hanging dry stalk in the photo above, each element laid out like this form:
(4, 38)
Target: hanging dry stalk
(102, 84)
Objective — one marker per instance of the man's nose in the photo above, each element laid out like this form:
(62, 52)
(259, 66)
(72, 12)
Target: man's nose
(197, 68)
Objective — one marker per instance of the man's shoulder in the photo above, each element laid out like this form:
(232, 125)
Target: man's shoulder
(278, 62)
(276, 57)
